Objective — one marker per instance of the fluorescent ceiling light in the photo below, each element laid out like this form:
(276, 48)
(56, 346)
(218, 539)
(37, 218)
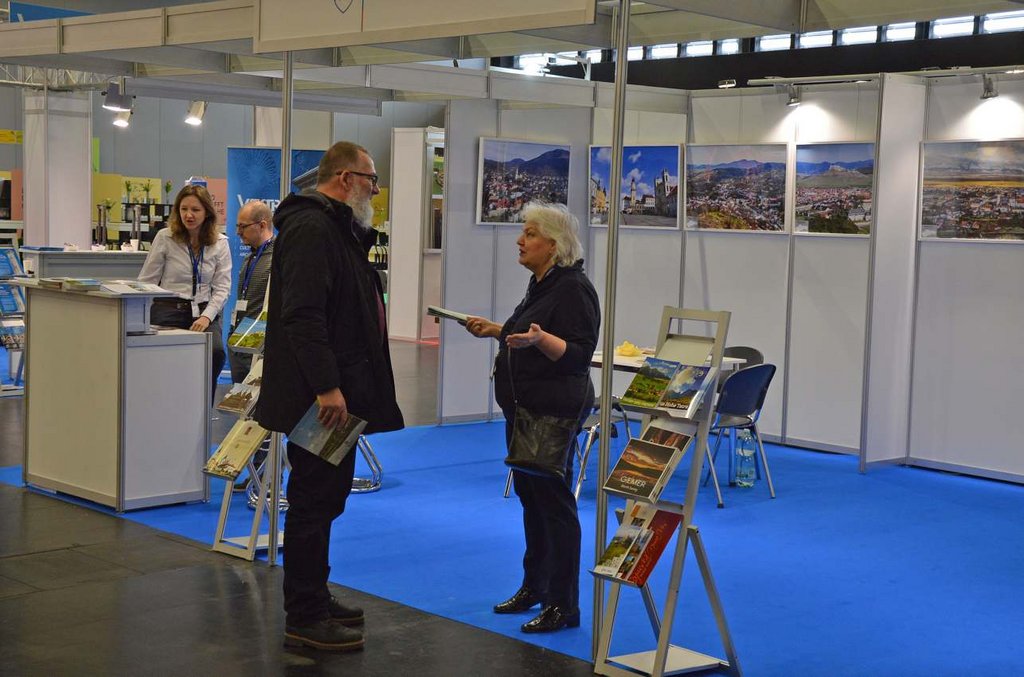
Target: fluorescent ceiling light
(122, 118)
(196, 110)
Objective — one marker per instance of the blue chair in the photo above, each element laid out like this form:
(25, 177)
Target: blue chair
(739, 407)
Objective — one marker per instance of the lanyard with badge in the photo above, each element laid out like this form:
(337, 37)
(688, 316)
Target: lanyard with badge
(242, 303)
(200, 292)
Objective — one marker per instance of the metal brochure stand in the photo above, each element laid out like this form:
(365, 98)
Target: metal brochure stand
(245, 547)
(667, 659)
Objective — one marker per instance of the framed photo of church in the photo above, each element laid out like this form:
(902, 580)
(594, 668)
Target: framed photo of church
(515, 173)
(647, 192)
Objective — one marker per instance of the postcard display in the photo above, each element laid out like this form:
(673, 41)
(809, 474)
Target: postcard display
(12, 319)
(673, 429)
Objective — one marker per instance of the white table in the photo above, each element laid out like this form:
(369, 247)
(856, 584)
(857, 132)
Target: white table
(633, 364)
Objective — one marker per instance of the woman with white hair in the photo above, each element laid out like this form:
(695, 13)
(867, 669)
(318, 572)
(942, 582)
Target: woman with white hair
(543, 366)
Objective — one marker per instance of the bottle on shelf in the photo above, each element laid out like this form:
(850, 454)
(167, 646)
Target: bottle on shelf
(745, 470)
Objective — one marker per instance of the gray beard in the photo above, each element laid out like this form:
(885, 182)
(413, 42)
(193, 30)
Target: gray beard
(362, 210)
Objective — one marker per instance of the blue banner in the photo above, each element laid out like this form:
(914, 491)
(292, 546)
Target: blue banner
(23, 11)
(255, 174)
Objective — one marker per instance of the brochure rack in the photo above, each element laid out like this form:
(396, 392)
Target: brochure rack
(665, 658)
(12, 319)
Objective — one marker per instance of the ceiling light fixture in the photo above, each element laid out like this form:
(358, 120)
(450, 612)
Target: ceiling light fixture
(726, 84)
(115, 98)
(794, 95)
(122, 118)
(988, 88)
(196, 111)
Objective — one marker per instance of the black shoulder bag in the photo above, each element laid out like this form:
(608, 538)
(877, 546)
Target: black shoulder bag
(540, 443)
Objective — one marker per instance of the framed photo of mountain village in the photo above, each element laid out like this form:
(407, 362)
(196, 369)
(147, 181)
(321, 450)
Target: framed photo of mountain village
(834, 184)
(514, 173)
(736, 187)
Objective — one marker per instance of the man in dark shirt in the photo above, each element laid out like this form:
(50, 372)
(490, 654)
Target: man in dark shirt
(254, 229)
(326, 346)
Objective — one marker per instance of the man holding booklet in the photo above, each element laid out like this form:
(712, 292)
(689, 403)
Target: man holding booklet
(326, 345)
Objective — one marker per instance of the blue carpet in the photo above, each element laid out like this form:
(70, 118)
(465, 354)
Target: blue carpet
(896, 572)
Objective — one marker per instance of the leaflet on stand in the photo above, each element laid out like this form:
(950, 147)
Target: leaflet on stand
(647, 464)
(637, 544)
(249, 335)
(670, 385)
(241, 442)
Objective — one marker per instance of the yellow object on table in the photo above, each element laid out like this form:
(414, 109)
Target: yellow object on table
(627, 349)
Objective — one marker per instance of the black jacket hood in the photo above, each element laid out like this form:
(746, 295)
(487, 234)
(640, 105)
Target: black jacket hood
(337, 210)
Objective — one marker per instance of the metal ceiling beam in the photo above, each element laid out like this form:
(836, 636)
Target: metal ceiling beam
(782, 15)
(106, 67)
(176, 57)
(595, 35)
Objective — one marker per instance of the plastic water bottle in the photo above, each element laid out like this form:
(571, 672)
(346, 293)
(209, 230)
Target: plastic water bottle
(745, 471)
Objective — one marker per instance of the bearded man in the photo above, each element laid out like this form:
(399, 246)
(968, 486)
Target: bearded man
(326, 343)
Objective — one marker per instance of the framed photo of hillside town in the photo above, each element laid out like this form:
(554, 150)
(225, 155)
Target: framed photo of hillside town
(514, 173)
(972, 190)
(647, 192)
(736, 187)
(834, 184)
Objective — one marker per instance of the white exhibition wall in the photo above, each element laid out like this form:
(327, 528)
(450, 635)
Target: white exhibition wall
(966, 391)
(482, 274)
(901, 125)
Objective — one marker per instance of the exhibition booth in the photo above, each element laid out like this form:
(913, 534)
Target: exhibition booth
(889, 317)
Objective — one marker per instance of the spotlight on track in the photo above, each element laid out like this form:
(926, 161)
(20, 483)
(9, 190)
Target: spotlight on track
(794, 96)
(122, 118)
(988, 89)
(196, 111)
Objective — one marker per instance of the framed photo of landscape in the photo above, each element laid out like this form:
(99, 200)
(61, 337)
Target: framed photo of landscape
(736, 187)
(972, 190)
(647, 193)
(514, 173)
(834, 183)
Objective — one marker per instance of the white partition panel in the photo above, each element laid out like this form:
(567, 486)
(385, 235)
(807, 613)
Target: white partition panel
(482, 275)
(649, 272)
(468, 264)
(966, 392)
(748, 275)
(901, 127)
(967, 388)
(408, 158)
(741, 116)
(826, 350)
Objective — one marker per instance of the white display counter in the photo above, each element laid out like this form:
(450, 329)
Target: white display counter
(113, 416)
(106, 265)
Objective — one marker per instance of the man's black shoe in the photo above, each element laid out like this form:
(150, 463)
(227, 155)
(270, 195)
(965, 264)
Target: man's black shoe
(352, 616)
(553, 618)
(324, 635)
(523, 600)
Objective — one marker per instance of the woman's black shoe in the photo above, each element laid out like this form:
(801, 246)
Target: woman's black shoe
(523, 600)
(553, 618)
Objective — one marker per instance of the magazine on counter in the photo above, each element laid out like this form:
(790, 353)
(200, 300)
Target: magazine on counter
(330, 444)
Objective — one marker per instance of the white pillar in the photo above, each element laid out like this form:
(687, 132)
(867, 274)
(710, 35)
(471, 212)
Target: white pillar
(58, 172)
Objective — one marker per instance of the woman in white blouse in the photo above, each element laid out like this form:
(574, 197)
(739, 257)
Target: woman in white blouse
(191, 258)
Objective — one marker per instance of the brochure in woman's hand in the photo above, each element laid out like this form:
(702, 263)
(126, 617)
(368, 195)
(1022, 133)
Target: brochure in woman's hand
(330, 444)
(437, 311)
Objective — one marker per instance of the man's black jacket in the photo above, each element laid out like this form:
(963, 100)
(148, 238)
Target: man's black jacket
(323, 330)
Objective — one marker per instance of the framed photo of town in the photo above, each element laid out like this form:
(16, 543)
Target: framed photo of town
(834, 183)
(736, 187)
(514, 173)
(647, 193)
(972, 190)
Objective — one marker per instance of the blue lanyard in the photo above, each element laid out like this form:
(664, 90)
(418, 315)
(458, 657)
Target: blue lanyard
(252, 265)
(197, 267)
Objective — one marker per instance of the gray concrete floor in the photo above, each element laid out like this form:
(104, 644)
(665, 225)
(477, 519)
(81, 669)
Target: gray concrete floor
(86, 593)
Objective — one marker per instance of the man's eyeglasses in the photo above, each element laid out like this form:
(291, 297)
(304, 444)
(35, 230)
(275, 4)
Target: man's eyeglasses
(374, 179)
(239, 227)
